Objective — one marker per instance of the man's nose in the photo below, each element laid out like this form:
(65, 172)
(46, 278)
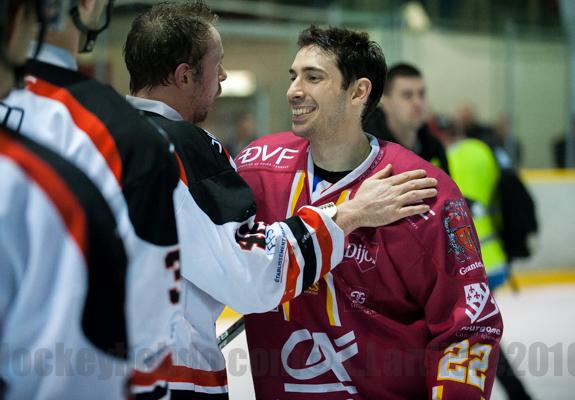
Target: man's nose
(294, 91)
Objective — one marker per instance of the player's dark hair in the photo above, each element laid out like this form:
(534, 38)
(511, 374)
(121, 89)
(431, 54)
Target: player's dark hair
(357, 57)
(166, 35)
(401, 70)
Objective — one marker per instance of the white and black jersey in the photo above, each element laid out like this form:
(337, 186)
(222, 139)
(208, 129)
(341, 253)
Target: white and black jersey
(62, 280)
(132, 164)
(228, 257)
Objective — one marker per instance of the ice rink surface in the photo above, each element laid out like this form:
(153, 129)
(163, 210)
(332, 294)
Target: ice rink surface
(539, 339)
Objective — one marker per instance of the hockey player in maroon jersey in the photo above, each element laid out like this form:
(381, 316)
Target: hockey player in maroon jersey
(408, 314)
(252, 267)
(62, 267)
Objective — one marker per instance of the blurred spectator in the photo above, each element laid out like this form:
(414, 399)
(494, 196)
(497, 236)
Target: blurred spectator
(506, 146)
(484, 184)
(475, 170)
(517, 209)
(245, 133)
(400, 118)
(467, 125)
(498, 137)
(560, 147)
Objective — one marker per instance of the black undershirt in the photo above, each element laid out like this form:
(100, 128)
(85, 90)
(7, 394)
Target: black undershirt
(331, 177)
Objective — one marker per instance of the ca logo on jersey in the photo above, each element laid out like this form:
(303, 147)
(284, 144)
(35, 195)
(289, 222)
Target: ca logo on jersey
(478, 297)
(324, 357)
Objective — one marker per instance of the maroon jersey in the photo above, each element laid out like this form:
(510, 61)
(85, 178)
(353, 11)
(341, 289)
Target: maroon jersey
(408, 314)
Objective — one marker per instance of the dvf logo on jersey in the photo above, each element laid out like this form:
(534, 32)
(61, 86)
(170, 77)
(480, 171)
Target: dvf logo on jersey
(364, 254)
(478, 297)
(324, 357)
(263, 153)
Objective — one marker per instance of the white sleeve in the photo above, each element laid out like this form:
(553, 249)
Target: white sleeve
(250, 266)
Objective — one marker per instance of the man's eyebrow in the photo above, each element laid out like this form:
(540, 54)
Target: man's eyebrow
(308, 69)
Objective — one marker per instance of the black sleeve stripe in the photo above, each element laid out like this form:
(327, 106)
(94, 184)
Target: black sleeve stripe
(305, 243)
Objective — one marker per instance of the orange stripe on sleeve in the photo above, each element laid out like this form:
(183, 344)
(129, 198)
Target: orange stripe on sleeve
(168, 372)
(55, 188)
(86, 121)
(183, 176)
(322, 234)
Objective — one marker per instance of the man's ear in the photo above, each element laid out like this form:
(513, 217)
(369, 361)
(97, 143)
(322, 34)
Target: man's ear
(182, 75)
(361, 91)
(86, 9)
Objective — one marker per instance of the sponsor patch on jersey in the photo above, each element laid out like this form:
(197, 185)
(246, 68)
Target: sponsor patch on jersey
(281, 257)
(266, 156)
(483, 331)
(462, 242)
(480, 303)
(358, 299)
(313, 289)
(362, 253)
(309, 355)
(471, 267)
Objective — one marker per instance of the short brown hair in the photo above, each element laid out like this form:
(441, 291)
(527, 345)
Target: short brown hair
(166, 35)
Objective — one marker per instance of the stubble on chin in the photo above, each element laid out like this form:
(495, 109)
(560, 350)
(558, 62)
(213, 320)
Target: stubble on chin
(200, 117)
(299, 131)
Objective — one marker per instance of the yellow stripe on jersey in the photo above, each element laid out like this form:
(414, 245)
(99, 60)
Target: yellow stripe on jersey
(331, 301)
(296, 189)
(343, 196)
(285, 307)
(437, 393)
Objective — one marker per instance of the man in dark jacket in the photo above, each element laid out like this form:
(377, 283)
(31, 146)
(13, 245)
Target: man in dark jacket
(401, 115)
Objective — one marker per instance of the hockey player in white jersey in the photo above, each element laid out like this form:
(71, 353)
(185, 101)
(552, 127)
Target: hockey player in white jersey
(62, 266)
(127, 158)
(227, 258)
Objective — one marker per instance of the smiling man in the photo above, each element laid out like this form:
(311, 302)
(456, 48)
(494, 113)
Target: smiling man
(396, 319)
(174, 55)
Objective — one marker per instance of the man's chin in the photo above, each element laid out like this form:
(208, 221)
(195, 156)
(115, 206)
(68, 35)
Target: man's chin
(418, 124)
(300, 131)
(200, 117)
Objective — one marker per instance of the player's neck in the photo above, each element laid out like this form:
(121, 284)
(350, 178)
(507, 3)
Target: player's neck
(343, 153)
(167, 94)
(6, 81)
(67, 39)
(405, 136)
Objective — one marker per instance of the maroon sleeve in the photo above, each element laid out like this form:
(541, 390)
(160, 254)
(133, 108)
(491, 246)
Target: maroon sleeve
(444, 273)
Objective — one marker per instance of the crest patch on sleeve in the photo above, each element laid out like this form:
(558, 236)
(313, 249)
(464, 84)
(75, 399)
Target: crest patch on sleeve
(462, 242)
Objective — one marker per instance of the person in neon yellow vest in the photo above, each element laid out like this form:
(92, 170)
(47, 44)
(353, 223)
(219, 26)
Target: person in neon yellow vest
(474, 168)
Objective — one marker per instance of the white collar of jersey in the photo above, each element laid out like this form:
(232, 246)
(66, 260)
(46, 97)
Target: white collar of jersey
(154, 106)
(325, 188)
(54, 55)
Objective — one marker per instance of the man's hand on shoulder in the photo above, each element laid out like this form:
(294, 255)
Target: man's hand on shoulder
(383, 199)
